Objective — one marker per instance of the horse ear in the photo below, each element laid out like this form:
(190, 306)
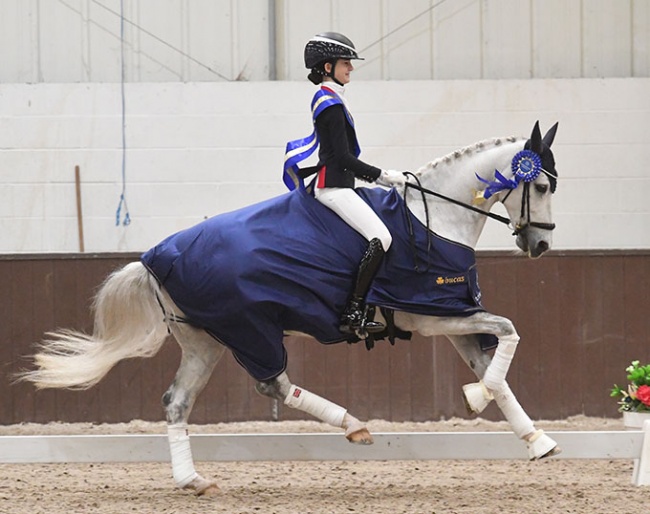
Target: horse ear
(536, 139)
(550, 135)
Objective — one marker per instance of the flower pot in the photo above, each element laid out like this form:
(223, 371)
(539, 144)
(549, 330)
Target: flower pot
(634, 420)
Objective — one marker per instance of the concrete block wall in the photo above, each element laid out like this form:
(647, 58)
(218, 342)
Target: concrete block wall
(198, 149)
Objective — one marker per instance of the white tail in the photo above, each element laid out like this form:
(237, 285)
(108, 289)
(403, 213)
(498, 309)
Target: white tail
(128, 323)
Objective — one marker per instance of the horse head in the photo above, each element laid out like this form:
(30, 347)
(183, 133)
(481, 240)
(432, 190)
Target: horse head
(529, 203)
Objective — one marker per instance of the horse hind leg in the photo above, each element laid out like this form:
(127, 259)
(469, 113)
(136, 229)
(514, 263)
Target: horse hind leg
(539, 444)
(200, 354)
(280, 388)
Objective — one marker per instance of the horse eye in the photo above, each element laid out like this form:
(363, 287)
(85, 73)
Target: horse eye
(541, 188)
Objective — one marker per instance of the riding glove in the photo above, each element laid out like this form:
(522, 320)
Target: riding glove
(391, 178)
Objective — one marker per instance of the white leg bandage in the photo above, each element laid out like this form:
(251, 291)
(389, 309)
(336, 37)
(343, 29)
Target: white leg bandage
(495, 375)
(521, 424)
(181, 453)
(315, 405)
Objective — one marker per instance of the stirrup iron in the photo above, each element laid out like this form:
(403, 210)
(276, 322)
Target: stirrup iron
(358, 319)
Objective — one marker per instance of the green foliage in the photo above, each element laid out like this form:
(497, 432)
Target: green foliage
(638, 375)
(634, 398)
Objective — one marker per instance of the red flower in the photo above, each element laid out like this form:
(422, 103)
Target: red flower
(643, 394)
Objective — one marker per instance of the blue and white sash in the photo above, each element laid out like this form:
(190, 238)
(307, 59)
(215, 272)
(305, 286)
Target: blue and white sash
(300, 149)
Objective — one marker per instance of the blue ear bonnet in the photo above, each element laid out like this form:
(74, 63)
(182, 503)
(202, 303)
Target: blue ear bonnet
(547, 164)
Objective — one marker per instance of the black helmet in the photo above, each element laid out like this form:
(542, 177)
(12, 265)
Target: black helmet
(328, 45)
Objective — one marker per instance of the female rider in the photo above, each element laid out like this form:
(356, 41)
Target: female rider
(329, 57)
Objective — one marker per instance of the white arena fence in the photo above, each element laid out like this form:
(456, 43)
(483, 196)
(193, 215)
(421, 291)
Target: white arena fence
(630, 445)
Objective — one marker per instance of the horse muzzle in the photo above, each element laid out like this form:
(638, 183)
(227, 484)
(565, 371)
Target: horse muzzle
(533, 242)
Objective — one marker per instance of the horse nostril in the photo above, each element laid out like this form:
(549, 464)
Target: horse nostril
(542, 246)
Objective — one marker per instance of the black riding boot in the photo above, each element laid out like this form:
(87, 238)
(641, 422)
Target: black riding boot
(355, 313)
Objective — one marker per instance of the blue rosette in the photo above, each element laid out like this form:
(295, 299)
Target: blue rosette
(526, 165)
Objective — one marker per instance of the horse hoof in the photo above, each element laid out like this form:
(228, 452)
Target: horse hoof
(361, 436)
(541, 446)
(211, 490)
(556, 450)
(476, 397)
(202, 487)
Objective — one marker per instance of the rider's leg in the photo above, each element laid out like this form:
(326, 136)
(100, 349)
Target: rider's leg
(355, 212)
(353, 315)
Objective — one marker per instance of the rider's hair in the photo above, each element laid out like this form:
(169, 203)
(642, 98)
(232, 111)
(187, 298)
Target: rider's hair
(318, 72)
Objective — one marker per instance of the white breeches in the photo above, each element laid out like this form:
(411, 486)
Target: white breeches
(355, 212)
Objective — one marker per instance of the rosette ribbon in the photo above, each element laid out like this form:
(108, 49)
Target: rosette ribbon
(501, 183)
(526, 165)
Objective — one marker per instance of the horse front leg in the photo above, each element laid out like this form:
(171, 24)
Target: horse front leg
(538, 443)
(280, 388)
(477, 395)
(493, 379)
(200, 355)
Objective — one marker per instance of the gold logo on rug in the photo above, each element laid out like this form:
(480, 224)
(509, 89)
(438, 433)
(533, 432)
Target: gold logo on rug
(450, 280)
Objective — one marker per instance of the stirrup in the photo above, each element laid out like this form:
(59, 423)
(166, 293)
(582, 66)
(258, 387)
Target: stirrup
(360, 322)
(352, 316)
(367, 328)
(349, 323)
(370, 326)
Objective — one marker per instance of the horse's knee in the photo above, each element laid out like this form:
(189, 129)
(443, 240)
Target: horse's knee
(506, 330)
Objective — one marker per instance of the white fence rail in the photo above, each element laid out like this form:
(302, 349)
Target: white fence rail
(634, 445)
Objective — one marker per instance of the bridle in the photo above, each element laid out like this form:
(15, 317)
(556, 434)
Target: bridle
(525, 209)
(517, 229)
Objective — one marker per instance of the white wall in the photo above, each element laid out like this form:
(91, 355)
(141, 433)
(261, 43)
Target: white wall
(221, 40)
(198, 149)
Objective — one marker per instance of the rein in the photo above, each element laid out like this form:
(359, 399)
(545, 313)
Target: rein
(410, 223)
(525, 206)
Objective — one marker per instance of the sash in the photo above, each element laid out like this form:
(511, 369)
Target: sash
(300, 149)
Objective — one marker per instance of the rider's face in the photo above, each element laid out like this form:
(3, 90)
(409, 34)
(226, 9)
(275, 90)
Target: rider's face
(341, 70)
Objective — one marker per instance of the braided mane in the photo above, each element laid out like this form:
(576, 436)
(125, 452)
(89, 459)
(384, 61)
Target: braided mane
(468, 150)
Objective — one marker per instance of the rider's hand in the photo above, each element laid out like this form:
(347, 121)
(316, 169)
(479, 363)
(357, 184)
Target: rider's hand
(391, 178)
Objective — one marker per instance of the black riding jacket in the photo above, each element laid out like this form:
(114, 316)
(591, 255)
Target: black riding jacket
(337, 164)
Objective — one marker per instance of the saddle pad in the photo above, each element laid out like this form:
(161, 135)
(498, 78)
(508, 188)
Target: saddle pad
(289, 263)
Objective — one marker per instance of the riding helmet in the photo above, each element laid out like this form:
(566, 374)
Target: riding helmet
(328, 46)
